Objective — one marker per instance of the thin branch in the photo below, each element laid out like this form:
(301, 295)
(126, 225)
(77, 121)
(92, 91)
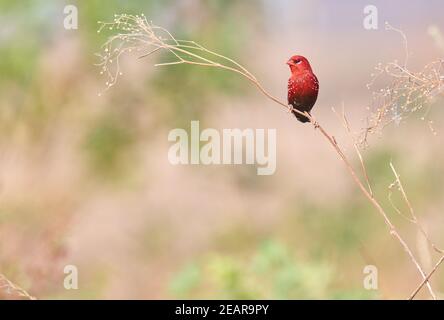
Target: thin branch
(346, 125)
(426, 279)
(11, 288)
(413, 216)
(404, 37)
(136, 29)
(378, 207)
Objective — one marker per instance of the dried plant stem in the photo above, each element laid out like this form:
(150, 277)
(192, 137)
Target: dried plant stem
(346, 124)
(139, 34)
(413, 219)
(10, 287)
(426, 279)
(367, 192)
(392, 229)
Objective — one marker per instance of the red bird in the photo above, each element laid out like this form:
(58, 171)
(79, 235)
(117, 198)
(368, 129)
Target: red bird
(303, 86)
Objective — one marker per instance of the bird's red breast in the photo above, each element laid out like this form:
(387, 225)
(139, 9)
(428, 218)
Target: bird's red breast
(303, 86)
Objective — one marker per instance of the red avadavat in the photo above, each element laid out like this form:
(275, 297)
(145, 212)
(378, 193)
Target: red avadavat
(303, 86)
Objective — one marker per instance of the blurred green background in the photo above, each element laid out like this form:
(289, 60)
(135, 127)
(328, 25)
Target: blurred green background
(84, 180)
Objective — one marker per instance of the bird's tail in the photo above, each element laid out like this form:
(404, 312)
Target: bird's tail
(301, 117)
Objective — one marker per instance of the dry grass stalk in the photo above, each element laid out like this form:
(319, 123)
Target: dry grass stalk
(135, 33)
(12, 289)
(411, 217)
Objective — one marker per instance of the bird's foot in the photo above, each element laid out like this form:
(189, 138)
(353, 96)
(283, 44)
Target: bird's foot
(316, 124)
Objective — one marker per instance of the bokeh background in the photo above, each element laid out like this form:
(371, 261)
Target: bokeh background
(85, 180)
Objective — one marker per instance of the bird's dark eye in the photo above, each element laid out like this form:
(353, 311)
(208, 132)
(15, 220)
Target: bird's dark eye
(297, 61)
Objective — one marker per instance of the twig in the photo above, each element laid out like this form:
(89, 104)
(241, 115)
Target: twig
(140, 34)
(9, 287)
(378, 207)
(355, 145)
(413, 218)
(426, 279)
(404, 37)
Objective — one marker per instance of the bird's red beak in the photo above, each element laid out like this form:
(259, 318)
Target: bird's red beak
(290, 63)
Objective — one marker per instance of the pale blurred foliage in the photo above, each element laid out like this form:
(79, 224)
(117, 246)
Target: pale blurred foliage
(85, 179)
